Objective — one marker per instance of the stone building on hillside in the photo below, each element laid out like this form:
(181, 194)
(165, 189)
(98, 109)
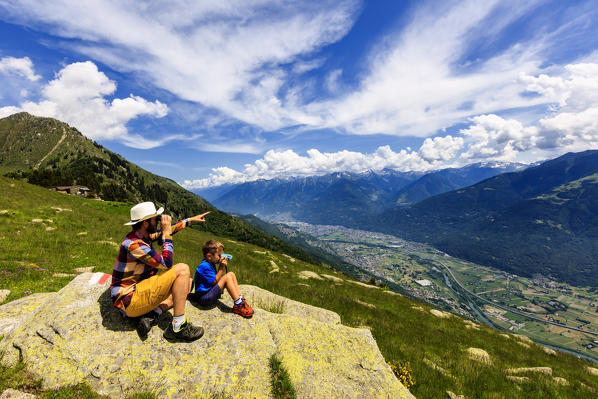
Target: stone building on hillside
(77, 190)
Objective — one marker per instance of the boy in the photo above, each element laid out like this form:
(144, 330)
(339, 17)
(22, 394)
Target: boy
(209, 282)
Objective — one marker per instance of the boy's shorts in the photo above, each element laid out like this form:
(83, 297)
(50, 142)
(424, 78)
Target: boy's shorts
(210, 297)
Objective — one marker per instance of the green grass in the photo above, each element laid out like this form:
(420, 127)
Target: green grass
(18, 378)
(282, 388)
(31, 255)
(272, 305)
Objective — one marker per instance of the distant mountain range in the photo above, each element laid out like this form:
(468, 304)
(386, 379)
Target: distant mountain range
(450, 179)
(333, 198)
(48, 152)
(543, 219)
(342, 197)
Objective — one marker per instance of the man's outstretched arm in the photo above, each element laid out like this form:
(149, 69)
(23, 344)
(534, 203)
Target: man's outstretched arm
(180, 225)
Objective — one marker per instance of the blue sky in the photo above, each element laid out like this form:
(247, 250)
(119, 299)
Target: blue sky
(208, 93)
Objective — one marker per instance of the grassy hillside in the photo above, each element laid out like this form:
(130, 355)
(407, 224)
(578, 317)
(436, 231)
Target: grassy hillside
(47, 152)
(43, 233)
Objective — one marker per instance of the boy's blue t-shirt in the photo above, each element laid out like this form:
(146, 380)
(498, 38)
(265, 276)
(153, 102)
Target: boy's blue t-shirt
(205, 275)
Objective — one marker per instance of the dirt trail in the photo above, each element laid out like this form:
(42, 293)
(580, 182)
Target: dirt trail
(52, 150)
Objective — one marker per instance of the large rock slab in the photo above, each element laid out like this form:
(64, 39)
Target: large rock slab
(258, 296)
(13, 314)
(77, 336)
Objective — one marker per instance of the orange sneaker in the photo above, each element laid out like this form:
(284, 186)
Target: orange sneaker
(243, 309)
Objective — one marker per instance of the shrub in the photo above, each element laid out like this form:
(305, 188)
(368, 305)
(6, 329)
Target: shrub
(403, 372)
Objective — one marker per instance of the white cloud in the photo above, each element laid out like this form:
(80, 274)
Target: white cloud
(288, 163)
(418, 83)
(20, 66)
(492, 137)
(228, 55)
(440, 148)
(574, 130)
(573, 124)
(332, 83)
(77, 96)
(231, 146)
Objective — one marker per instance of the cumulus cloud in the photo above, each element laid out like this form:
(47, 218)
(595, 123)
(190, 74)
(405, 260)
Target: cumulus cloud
(441, 148)
(573, 124)
(77, 96)
(492, 137)
(19, 66)
(288, 163)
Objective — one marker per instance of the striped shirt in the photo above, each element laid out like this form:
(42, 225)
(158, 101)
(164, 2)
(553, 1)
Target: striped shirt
(137, 260)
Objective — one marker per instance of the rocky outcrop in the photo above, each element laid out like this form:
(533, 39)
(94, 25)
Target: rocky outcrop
(14, 394)
(14, 313)
(76, 335)
(479, 355)
(540, 370)
(3, 295)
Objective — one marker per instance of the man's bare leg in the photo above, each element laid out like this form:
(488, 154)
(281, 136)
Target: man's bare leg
(180, 288)
(168, 303)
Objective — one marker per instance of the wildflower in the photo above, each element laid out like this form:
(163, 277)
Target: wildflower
(403, 372)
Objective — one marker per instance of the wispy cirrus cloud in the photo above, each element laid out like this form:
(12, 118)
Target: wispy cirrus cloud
(420, 79)
(225, 55)
(572, 125)
(234, 56)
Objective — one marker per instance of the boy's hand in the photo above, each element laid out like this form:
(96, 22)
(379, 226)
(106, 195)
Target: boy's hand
(223, 261)
(199, 218)
(165, 224)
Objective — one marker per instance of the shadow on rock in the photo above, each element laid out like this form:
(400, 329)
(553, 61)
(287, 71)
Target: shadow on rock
(112, 319)
(221, 306)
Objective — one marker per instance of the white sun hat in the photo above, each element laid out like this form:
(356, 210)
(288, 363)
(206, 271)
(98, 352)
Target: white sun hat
(143, 211)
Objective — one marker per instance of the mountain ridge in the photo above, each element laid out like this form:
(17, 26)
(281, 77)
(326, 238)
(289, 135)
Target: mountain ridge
(339, 197)
(498, 220)
(33, 149)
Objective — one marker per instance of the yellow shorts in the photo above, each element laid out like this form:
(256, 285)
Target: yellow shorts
(151, 292)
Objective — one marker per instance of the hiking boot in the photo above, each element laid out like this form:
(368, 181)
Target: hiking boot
(145, 323)
(243, 309)
(187, 333)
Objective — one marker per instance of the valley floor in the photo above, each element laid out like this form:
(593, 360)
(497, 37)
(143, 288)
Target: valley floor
(428, 274)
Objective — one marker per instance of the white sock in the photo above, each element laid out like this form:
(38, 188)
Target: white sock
(177, 321)
(158, 310)
(239, 300)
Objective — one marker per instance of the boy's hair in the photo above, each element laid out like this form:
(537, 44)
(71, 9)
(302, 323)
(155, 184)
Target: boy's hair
(211, 247)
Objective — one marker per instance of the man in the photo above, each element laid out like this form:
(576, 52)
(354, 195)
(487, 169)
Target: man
(144, 282)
